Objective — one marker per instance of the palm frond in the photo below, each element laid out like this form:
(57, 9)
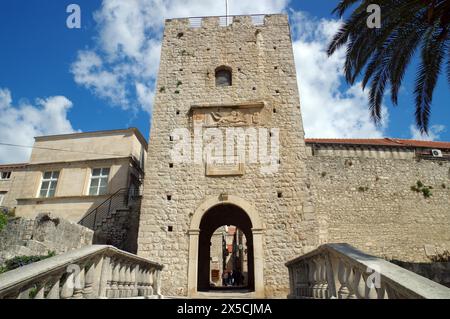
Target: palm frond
(431, 59)
(383, 55)
(343, 6)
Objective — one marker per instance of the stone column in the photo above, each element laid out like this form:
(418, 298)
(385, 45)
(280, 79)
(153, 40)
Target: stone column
(193, 261)
(258, 264)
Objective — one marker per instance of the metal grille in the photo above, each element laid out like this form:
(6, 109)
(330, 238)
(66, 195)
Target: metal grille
(121, 199)
(195, 22)
(224, 21)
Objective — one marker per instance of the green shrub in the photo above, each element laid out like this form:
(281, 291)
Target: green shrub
(421, 188)
(426, 191)
(20, 261)
(3, 220)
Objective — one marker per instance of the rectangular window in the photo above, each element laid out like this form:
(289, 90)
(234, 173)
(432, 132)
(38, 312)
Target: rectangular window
(5, 175)
(99, 181)
(49, 182)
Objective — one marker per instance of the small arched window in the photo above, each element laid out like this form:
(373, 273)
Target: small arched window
(223, 76)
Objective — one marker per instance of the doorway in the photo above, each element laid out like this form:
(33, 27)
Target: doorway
(231, 265)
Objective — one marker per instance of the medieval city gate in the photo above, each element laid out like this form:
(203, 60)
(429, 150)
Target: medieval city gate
(226, 81)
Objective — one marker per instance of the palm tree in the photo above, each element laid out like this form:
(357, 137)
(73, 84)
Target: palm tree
(382, 55)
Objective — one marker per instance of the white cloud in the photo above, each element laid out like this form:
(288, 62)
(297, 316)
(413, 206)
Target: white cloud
(123, 68)
(433, 133)
(19, 124)
(328, 110)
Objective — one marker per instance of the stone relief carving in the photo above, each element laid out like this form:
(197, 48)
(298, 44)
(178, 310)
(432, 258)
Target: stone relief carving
(229, 116)
(233, 118)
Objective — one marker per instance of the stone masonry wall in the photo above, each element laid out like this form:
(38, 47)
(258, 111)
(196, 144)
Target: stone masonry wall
(26, 237)
(368, 203)
(263, 69)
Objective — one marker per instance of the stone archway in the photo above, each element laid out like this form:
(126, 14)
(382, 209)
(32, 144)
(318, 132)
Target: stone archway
(211, 213)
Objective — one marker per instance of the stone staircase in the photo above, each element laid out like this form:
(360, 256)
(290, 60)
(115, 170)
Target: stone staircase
(115, 221)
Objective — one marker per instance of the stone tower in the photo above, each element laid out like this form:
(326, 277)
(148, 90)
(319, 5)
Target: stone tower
(226, 81)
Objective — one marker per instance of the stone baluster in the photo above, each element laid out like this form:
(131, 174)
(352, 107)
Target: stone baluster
(316, 284)
(381, 292)
(139, 280)
(358, 284)
(370, 291)
(131, 282)
(301, 281)
(321, 278)
(25, 293)
(40, 287)
(134, 280)
(148, 275)
(157, 282)
(133, 289)
(321, 282)
(67, 287)
(350, 283)
(88, 291)
(312, 279)
(113, 291)
(54, 289)
(343, 276)
(79, 284)
(105, 270)
(121, 285)
(128, 289)
(144, 279)
(154, 281)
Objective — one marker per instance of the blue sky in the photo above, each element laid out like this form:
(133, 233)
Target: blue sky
(56, 80)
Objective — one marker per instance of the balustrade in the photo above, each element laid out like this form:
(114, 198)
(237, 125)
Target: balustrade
(91, 272)
(341, 271)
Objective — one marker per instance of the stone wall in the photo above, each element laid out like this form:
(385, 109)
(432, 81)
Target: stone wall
(26, 237)
(368, 203)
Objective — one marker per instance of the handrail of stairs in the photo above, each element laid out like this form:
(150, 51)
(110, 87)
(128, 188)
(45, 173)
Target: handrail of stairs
(117, 200)
(91, 272)
(341, 271)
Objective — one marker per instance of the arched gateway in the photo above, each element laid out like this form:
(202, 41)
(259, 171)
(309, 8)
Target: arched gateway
(211, 214)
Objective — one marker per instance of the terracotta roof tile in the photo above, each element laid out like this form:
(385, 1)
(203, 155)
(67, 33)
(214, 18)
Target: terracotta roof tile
(381, 142)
